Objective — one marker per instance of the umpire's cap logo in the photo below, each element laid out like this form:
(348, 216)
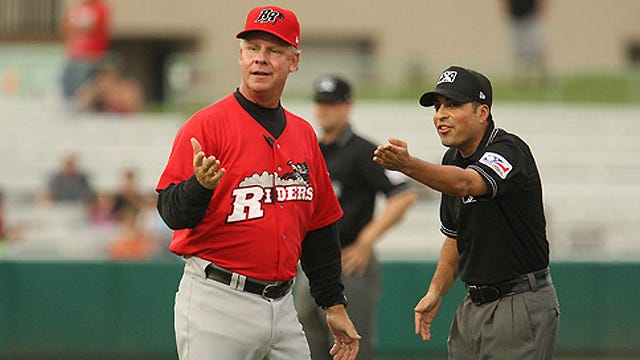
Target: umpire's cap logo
(461, 85)
(447, 77)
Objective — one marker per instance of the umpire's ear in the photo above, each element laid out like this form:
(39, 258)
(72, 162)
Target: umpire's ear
(485, 112)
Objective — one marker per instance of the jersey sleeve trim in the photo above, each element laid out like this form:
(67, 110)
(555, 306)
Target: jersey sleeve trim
(448, 232)
(488, 179)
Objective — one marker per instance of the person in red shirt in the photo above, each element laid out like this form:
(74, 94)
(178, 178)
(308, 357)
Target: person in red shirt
(248, 194)
(86, 28)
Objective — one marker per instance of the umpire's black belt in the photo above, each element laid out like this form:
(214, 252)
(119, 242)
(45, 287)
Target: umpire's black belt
(530, 282)
(268, 290)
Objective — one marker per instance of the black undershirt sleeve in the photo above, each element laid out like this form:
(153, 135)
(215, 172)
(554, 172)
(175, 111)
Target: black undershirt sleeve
(184, 205)
(321, 262)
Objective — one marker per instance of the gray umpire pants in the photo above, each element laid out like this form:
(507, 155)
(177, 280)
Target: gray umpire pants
(521, 326)
(362, 296)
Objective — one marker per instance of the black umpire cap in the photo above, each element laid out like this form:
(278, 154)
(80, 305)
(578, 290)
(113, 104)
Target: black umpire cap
(462, 85)
(331, 89)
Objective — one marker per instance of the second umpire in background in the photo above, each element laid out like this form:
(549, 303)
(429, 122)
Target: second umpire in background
(356, 180)
(493, 220)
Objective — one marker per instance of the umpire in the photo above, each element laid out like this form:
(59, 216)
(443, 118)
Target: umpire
(493, 220)
(357, 181)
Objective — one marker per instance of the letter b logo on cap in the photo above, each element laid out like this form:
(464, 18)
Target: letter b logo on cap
(269, 16)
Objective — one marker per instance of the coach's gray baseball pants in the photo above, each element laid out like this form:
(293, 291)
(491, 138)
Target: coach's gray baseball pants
(215, 322)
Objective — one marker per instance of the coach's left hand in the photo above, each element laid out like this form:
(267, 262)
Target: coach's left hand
(346, 337)
(207, 169)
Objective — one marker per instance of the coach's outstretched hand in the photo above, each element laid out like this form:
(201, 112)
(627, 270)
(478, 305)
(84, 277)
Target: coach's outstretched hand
(207, 169)
(393, 155)
(346, 338)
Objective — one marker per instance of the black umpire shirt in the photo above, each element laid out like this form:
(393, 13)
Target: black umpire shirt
(501, 235)
(356, 180)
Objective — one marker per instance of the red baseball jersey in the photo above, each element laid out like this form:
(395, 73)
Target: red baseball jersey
(269, 197)
(92, 43)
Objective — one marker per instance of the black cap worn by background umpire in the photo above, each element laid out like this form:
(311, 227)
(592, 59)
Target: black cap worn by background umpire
(331, 89)
(462, 85)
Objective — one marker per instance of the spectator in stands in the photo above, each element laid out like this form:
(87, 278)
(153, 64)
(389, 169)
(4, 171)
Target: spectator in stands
(110, 91)
(527, 40)
(8, 232)
(153, 226)
(128, 198)
(101, 209)
(86, 29)
(140, 232)
(68, 184)
(131, 241)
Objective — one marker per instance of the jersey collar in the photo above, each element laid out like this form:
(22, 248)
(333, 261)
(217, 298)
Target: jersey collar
(342, 141)
(347, 133)
(487, 139)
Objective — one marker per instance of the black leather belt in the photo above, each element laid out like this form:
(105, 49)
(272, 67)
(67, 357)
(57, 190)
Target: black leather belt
(488, 293)
(268, 290)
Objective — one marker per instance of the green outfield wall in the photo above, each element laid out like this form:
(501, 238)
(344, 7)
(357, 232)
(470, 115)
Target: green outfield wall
(120, 310)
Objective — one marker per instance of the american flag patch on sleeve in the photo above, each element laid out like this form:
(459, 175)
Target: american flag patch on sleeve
(497, 163)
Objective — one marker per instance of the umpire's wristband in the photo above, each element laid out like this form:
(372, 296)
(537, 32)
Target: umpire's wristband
(342, 300)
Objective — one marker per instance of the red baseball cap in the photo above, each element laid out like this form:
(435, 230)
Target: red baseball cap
(273, 20)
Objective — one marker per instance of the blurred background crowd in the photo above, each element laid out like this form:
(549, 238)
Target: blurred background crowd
(92, 91)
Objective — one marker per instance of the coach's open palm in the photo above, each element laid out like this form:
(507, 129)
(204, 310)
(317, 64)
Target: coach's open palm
(346, 338)
(207, 169)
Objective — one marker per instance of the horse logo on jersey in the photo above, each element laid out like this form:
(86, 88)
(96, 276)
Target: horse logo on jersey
(497, 163)
(268, 188)
(269, 16)
(300, 172)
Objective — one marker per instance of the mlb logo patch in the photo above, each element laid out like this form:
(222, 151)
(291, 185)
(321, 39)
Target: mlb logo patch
(447, 77)
(497, 163)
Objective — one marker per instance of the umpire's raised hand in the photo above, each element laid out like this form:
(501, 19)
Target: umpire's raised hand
(207, 169)
(393, 156)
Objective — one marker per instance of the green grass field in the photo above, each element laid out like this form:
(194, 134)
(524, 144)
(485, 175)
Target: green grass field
(591, 88)
(596, 88)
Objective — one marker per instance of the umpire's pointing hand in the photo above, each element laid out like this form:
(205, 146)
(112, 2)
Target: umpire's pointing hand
(207, 169)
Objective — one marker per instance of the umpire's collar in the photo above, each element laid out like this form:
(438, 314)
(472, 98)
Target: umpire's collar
(344, 138)
(487, 139)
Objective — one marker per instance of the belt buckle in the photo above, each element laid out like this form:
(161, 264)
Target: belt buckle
(483, 294)
(272, 291)
(475, 294)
